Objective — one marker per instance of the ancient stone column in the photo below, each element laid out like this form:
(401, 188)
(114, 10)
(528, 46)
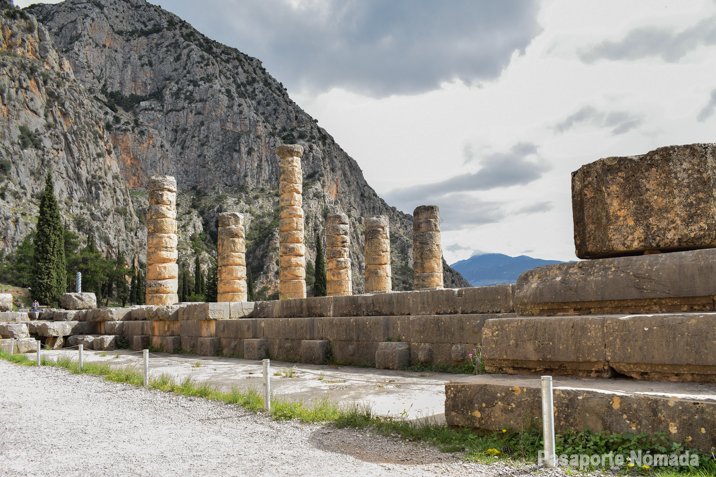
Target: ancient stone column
(338, 262)
(162, 268)
(231, 258)
(291, 252)
(427, 251)
(377, 254)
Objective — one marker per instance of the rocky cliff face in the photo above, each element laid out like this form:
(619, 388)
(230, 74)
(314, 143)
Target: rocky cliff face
(48, 123)
(171, 101)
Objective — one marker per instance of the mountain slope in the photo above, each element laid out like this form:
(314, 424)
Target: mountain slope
(48, 122)
(495, 268)
(175, 102)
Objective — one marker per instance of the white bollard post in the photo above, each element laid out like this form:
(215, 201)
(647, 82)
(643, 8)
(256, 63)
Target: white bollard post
(12, 346)
(81, 357)
(146, 368)
(38, 351)
(267, 384)
(548, 422)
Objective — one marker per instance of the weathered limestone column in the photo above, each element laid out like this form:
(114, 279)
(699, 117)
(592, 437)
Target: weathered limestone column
(292, 252)
(427, 251)
(162, 268)
(378, 273)
(338, 262)
(231, 258)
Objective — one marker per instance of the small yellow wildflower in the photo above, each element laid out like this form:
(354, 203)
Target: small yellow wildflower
(645, 466)
(630, 464)
(492, 452)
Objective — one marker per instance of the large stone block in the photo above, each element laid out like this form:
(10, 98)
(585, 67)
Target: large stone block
(669, 347)
(294, 328)
(79, 301)
(256, 349)
(355, 352)
(232, 347)
(163, 313)
(207, 311)
(14, 330)
(284, 349)
(172, 344)
(104, 343)
(662, 200)
(204, 329)
(667, 282)
(392, 356)
(18, 317)
(112, 314)
(5, 302)
(190, 343)
(8, 345)
(140, 343)
(360, 328)
(572, 345)
(241, 310)
(492, 299)
(448, 328)
(134, 328)
(209, 346)
(315, 351)
(65, 315)
(234, 329)
(26, 345)
(164, 328)
(495, 402)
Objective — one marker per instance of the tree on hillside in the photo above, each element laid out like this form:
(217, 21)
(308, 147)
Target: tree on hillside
(250, 293)
(199, 288)
(120, 279)
(72, 243)
(320, 283)
(95, 269)
(133, 285)
(212, 285)
(16, 268)
(49, 267)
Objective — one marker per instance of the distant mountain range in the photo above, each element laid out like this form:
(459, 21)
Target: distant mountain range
(496, 268)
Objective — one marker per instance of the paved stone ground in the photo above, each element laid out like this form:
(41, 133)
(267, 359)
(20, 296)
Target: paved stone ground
(53, 423)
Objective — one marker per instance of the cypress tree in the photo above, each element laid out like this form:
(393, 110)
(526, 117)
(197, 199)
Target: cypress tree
(49, 266)
(250, 294)
(198, 277)
(319, 286)
(212, 285)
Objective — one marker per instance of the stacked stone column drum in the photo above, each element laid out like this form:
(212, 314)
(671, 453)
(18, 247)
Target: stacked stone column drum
(427, 250)
(378, 273)
(292, 251)
(338, 262)
(162, 268)
(231, 258)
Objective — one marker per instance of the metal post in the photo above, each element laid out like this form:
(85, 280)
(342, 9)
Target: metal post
(81, 358)
(267, 384)
(12, 346)
(79, 282)
(146, 368)
(548, 422)
(38, 351)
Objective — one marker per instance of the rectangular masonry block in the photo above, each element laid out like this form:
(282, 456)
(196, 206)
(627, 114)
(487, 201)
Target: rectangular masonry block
(26, 345)
(452, 354)
(139, 313)
(140, 342)
(157, 342)
(112, 314)
(112, 327)
(163, 313)
(448, 328)
(244, 329)
(164, 328)
(355, 352)
(204, 329)
(87, 341)
(657, 283)
(662, 200)
(134, 328)
(663, 347)
(392, 355)
(207, 311)
(566, 345)
(314, 351)
(14, 330)
(78, 301)
(232, 347)
(294, 328)
(241, 310)
(361, 328)
(172, 344)
(190, 343)
(256, 349)
(284, 349)
(65, 315)
(209, 346)
(304, 308)
(15, 317)
(492, 299)
(105, 343)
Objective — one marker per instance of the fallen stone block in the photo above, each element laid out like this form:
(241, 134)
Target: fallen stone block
(47, 315)
(104, 343)
(658, 283)
(391, 355)
(569, 345)
(315, 351)
(140, 343)
(5, 302)
(668, 347)
(172, 344)
(53, 328)
(209, 346)
(662, 200)
(79, 301)
(256, 349)
(495, 402)
(14, 330)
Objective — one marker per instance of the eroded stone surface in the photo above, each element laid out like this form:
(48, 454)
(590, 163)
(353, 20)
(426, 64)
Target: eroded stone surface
(5, 302)
(162, 269)
(338, 263)
(79, 301)
(427, 248)
(292, 265)
(231, 258)
(662, 200)
(378, 272)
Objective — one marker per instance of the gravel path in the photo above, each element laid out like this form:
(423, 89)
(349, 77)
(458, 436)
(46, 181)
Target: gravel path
(54, 423)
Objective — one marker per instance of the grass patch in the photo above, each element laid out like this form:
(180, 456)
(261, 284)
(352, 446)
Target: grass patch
(514, 445)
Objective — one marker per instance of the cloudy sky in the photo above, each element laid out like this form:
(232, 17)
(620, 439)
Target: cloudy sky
(484, 107)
